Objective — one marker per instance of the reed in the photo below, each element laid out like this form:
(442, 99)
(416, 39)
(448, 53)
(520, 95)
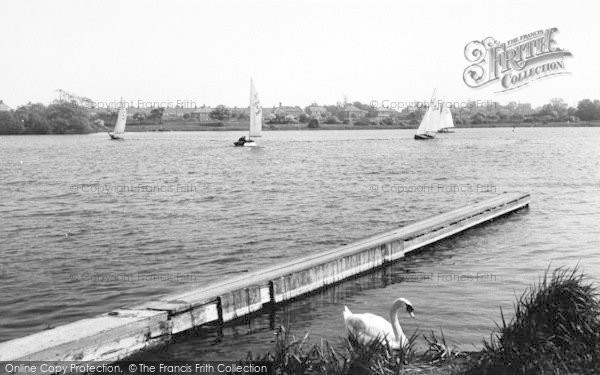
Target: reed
(291, 355)
(555, 330)
(438, 350)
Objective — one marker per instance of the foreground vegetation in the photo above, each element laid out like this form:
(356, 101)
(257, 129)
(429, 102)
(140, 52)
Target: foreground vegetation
(555, 330)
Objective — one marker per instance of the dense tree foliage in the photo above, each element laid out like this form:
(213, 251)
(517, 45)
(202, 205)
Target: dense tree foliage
(57, 118)
(220, 113)
(588, 110)
(157, 114)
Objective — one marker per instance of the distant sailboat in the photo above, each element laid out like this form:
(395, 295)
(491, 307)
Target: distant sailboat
(430, 122)
(119, 131)
(255, 120)
(447, 122)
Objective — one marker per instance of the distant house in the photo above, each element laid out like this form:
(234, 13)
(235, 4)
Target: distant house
(177, 112)
(353, 112)
(131, 111)
(383, 113)
(267, 111)
(237, 111)
(4, 107)
(288, 110)
(317, 111)
(202, 114)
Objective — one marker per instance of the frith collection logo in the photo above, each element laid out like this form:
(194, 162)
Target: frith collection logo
(515, 63)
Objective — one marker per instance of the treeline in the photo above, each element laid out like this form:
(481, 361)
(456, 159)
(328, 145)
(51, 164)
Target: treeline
(469, 113)
(57, 118)
(222, 113)
(63, 117)
(555, 111)
(588, 110)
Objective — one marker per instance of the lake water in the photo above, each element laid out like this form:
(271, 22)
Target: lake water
(89, 225)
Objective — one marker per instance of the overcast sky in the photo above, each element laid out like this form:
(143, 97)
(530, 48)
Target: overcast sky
(297, 52)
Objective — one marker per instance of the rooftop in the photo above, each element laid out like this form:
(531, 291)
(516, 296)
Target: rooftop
(352, 108)
(203, 110)
(4, 107)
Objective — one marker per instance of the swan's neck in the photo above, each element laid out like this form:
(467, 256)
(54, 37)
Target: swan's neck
(398, 333)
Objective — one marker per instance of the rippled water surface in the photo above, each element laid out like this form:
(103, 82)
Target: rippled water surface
(89, 224)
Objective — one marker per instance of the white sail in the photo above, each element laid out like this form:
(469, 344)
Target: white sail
(435, 119)
(447, 121)
(255, 113)
(121, 120)
(423, 126)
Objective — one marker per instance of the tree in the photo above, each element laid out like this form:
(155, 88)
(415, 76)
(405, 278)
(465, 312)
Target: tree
(588, 110)
(279, 118)
(313, 123)
(9, 124)
(556, 110)
(372, 112)
(332, 120)
(503, 114)
(156, 114)
(289, 119)
(220, 113)
(64, 118)
(271, 118)
(303, 118)
(516, 118)
(388, 121)
(33, 118)
(415, 116)
(558, 103)
(98, 123)
(478, 118)
(335, 110)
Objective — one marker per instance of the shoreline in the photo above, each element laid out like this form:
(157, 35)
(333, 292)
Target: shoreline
(176, 126)
(195, 127)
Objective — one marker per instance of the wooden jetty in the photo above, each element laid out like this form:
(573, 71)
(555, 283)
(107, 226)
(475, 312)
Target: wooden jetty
(120, 333)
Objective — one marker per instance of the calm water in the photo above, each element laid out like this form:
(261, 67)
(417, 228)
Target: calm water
(89, 225)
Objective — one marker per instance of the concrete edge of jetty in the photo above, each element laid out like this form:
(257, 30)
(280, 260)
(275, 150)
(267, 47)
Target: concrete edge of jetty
(118, 334)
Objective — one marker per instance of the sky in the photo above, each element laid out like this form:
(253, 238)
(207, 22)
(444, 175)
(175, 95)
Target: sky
(297, 52)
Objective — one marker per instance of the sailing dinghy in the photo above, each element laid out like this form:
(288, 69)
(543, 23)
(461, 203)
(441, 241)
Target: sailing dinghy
(429, 123)
(119, 131)
(255, 120)
(447, 122)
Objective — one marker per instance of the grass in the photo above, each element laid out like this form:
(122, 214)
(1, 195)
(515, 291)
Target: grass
(438, 350)
(555, 330)
(291, 355)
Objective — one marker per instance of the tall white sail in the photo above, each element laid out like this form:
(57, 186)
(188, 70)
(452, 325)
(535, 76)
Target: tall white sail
(447, 121)
(255, 112)
(435, 119)
(423, 126)
(121, 120)
(434, 114)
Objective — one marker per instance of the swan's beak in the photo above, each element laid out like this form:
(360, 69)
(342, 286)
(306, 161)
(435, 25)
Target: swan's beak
(412, 314)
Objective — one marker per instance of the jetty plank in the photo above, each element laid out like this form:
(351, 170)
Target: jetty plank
(107, 337)
(110, 337)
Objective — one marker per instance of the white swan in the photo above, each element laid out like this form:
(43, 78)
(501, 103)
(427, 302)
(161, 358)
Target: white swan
(367, 327)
